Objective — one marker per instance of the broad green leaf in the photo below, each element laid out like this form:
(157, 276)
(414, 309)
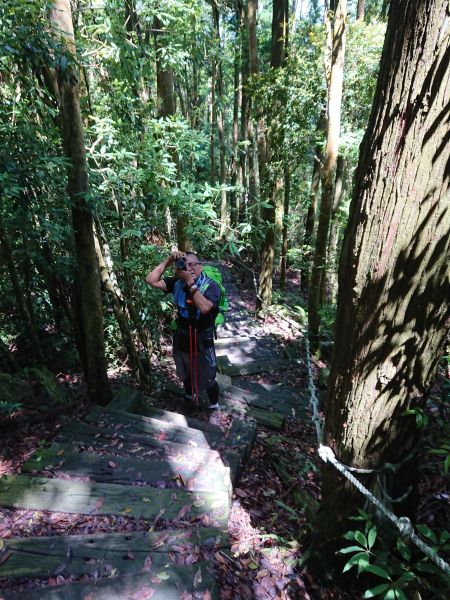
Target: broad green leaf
(372, 536)
(403, 548)
(377, 570)
(361, 538)
(349, 549)
(376, 591)
(355, 561)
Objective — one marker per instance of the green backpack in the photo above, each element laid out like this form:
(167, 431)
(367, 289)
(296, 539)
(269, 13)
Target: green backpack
(214, 274)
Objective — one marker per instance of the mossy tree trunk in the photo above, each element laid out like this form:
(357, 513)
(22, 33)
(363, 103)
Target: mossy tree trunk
(393, 311)
(74, 148)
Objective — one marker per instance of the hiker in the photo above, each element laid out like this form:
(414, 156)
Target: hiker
(197, 298)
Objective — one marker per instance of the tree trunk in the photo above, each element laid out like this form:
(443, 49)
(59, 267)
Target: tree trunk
(74, 148)
(117, 300)
(252, 7)
(311, 216)
(339, 189)
(237, 104)
(280, 17)
(331, 152)
(166, 108)
(360, 8)
(245, 109)
(393, 312)
(220, 127)
(165, 97)
(212, 124)
(285, 241)
(144, 337)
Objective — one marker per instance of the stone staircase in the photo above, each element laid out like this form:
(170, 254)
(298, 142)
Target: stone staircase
(171, 473)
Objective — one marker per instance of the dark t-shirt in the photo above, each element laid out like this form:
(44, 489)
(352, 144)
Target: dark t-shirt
(212, 293)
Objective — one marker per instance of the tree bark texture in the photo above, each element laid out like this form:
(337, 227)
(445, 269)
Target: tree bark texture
(275, 186)
(311, 216)
(73, 142)
(252, 7)
(236, 167)
(393, 310)
(360, 9)
(220, 126)
(285, 239)
(339, 190)
(117, 301)
(165, 96)
(331, 152)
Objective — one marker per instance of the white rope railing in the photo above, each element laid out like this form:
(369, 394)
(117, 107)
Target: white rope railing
(403, 524)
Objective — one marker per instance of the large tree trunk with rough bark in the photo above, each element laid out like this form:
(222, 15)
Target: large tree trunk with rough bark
(337, 18)
(393, 311)
(74, 148)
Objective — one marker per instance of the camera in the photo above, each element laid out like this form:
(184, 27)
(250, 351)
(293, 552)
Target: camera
(180, 263)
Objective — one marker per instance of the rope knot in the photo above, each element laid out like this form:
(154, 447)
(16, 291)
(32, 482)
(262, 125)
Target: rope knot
(326, 453)
(404, 526)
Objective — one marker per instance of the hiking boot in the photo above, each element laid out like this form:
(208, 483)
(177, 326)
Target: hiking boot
(214, 416)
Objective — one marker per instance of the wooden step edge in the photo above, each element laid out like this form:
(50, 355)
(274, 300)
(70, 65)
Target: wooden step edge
(167, 584)
(77, 434)
(126, 471)
(75, 497)
(84, 554)
(178, 419)
(217, 433)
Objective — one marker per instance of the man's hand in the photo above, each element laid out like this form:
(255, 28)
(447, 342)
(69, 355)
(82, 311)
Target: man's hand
(184, 276)
(176, 255)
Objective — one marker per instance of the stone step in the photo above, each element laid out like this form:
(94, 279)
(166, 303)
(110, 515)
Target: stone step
(105, 553)
(91, 498)
(169, 473)
(170, 583)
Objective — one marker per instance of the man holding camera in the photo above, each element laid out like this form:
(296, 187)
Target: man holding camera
(197, 298)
